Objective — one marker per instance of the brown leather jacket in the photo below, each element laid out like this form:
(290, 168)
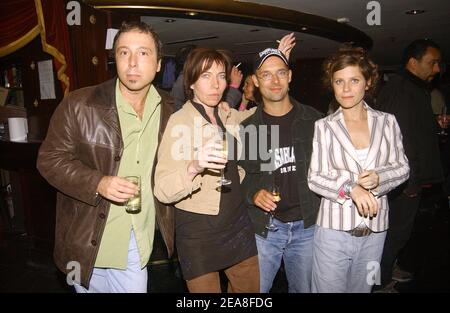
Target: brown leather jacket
(83, 144)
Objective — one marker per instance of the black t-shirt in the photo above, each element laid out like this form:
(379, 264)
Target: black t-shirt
(284, 171)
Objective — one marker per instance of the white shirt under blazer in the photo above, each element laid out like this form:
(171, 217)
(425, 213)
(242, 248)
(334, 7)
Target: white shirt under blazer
(334, 162)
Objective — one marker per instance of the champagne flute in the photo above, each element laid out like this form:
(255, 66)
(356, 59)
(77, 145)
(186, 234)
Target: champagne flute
(223, 181)
(443, 120)
(275, 191)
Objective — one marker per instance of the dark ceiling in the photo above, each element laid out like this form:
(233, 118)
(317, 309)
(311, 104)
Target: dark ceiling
(245, 27)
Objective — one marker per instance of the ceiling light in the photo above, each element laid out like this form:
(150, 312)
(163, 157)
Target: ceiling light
(191, 13)
(169, 20)
(343, 20)
(415, 12)
(304, 28)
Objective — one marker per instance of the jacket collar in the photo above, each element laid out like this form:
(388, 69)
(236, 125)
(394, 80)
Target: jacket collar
(167, 109)
(193, 112)
(376, 121)
(224, 116)
(415, 80)
(104, 97)
(338, 115)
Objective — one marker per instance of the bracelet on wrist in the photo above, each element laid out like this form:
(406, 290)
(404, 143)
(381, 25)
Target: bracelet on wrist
(348, 187)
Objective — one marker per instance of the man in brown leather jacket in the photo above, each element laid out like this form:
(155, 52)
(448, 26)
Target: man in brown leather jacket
(97, 136)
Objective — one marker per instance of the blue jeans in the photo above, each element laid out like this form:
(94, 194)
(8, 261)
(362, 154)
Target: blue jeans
(133, 279)
(292, 243)
(344, 263)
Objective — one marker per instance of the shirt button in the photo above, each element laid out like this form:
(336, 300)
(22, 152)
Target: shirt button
(102, 216)
(94, 242)
(117, 158)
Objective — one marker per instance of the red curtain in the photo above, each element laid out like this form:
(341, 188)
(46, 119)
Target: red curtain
(57, 36)
(17, 18)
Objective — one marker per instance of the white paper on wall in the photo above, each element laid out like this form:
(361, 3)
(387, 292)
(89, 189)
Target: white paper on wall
(46, 81)
(110, 34)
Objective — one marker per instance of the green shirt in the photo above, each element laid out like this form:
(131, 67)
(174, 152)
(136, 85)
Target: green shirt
(140, 139)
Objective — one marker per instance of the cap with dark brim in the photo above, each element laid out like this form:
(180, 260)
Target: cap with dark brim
(262, 56)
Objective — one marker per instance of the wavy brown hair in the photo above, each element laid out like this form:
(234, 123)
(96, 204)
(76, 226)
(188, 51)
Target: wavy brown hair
(350, 56)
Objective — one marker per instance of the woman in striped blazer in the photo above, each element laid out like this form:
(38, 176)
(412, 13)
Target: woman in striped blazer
(357, 159)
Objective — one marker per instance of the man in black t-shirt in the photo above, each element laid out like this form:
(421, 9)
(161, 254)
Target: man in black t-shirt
(287, 127)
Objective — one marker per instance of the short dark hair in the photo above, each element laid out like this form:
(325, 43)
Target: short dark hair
(417, 49)
(201, 60)
(143, 28)
(350, 56)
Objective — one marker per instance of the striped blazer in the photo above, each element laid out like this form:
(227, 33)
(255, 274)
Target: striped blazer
(334, 162)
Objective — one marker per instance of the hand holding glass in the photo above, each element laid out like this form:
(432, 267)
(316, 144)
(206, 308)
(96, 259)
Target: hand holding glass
(223, 141)
(275, 191)
(133, 205)
(443, 121)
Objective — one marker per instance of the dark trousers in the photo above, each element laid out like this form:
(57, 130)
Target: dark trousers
(402, 213)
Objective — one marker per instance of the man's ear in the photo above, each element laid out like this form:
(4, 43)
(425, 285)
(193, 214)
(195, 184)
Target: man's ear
(255, 81)
(159, 66)
(412, 63)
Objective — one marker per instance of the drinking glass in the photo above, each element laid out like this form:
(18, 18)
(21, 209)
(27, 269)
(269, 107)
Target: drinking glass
(275, 191)
(133, 205)
(223, 141)
(443, 121)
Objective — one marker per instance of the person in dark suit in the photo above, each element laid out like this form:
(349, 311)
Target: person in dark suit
(407, 96)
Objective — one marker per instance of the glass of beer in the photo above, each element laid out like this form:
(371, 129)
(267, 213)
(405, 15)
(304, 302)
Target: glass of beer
(133, 205)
